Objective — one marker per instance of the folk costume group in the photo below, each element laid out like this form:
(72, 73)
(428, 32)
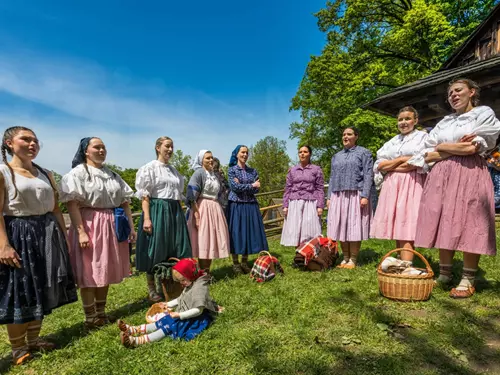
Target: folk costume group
(436, 191)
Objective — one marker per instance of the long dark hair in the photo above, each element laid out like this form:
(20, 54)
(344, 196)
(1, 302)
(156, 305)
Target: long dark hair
(8, 135)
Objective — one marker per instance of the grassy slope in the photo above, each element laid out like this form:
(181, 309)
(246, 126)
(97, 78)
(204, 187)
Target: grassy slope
(304, 323)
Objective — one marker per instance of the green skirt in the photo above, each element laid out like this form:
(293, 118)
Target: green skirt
(169, 239)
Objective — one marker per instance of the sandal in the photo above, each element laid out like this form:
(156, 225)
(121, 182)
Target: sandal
(41, 345)
(96, 323)
(22, 357)
(154, 297)
(349, 266)
(458, 294)
(122, 326)
(342, 264)
(125, 340)
(245, 268)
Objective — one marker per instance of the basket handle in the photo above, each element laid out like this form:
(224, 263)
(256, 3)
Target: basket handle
(263, 252)
(176, 259)
(427, 265)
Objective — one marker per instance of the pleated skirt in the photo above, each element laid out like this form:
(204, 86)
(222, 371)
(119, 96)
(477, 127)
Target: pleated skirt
(302, 222)
(246, 229)
(45, 280)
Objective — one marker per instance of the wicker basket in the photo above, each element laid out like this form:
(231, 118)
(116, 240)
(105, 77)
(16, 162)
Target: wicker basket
(406, 287)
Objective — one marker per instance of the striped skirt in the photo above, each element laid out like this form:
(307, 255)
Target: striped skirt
(107, 260)
(45, 280)
(457, 210)
(347, 222)
(302, 222)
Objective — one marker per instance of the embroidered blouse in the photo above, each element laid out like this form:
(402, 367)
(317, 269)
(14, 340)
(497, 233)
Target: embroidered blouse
(34, 195)
(94, 187)
(159, 180)
(352, 169)
(305, 183)
(480, 121)
(242, 190)
(401, 145)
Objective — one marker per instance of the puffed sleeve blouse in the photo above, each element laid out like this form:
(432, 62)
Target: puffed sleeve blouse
(480, 121)
(159, 180)
(94, 187)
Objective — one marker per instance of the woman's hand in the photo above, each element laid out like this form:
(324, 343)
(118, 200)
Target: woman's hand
(133, 235)
(320, 211)
(9, 256)
(364, 202)
(256, 184)
(467, 138)
(84, 240)
(285, 211)
(147, 226)
(328, 203)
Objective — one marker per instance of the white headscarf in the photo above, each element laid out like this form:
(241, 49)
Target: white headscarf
(198, 161)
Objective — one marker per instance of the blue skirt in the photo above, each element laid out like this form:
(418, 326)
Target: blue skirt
(246, 229)
(184, 329)
(45, 280)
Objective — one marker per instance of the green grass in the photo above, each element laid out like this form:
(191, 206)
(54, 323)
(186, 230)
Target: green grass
(303, 323)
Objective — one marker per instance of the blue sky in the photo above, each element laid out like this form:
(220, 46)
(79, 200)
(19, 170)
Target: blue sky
(208, 74)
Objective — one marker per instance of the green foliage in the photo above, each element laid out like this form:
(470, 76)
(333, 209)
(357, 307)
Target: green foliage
(307, 323)
(182, 163)
(57, 178)
(271, 160)
(372, 47)
(128, 175)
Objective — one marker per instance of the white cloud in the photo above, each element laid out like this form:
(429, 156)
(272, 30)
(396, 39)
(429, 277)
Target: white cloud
(65, 100)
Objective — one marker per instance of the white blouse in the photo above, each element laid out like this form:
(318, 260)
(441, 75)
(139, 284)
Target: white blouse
(94, 187)
(480, 121)
(211, 187)
(159, 180)
(35, 196)
(400, 145)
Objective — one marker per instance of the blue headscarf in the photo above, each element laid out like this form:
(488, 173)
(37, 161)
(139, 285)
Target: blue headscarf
(234, 156)
(80, 157)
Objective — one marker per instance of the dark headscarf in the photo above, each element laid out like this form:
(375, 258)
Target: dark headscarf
(80, 157)
(234, 156)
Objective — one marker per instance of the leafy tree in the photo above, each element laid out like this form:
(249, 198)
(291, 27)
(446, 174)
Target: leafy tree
(271, 160)
(372, 47)
(183, 164)
(62, 206)
(128, 175)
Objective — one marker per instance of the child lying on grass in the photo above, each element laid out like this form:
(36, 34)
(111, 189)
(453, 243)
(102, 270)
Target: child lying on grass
(195, 310)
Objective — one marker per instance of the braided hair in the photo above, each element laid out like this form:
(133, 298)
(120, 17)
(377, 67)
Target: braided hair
(8, 135)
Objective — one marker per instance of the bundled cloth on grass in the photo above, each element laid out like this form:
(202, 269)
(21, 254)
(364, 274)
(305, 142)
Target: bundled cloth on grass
(163, 271)
(265, 267)
(317, 254)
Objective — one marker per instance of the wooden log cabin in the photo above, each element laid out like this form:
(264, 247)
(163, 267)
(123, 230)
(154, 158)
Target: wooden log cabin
(478, 59)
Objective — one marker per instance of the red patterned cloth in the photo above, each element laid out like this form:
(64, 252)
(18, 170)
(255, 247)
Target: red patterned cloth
(310, 249)
(265, 268)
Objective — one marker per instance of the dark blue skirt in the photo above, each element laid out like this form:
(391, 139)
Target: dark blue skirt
(45, 280)
(184, 329)
(246, 229)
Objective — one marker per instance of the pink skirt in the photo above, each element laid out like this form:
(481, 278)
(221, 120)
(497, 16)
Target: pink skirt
(397, 209)
(457, 210)
(302, 223)
(347, 222)
(107, 260)
(211, 239)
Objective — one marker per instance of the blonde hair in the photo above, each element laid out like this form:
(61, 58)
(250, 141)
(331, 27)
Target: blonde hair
(177, 276)
(160, 140)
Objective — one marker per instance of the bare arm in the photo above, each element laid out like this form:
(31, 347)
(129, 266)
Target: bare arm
(405, 167)
(460, 148)
(147, 225)
(390, 165)
(77, 222)
(435, 156)
(8, 255)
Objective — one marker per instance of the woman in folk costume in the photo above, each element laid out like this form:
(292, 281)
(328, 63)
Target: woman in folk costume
(207, 223)
(35, 271)
(397, 209)
(163, 231)
(224, 185)
(303, 201)
(195, 310)
(457, 210)
(246, 229)
(349, 211)
(98, 204)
